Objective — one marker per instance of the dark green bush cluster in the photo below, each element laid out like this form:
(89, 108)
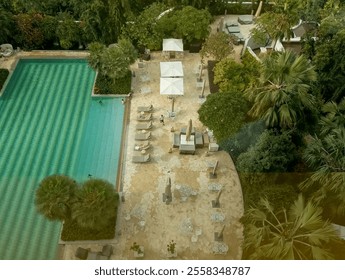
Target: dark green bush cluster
(3, 76)
(105, 85)
(72, 231)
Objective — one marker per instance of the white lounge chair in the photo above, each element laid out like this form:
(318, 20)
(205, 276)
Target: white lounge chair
(145, 108)
(144, 117)
(144, 145)
(142, 126)
(138, 157)
(142, 136)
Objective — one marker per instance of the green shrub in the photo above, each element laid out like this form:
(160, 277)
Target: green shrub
(3, 76)
(72, 231)
(105, 85)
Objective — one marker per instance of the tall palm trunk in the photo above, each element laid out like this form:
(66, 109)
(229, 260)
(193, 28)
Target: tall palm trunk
(258, 11)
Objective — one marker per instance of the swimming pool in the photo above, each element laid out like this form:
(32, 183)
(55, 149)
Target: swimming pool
(50, 124)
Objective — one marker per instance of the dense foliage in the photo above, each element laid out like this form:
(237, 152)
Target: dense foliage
(3, 76)
(299, 233)
(55, 196)
(223, 113)
(88, 210)
(273, 152)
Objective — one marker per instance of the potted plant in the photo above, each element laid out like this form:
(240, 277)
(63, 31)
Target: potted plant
(171, 247)
(138, 250)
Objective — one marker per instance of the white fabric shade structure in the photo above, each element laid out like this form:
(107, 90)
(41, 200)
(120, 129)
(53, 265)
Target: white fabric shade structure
(171, 86)
(172, 45)
(171, 69)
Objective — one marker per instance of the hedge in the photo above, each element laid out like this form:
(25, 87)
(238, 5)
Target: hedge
(105, 85)
(3, 76)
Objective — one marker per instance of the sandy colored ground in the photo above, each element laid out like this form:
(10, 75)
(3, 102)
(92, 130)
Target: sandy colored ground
(143, 217)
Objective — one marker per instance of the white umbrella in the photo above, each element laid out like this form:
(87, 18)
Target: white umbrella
(172, 45)
(171, 69)
(171, 86)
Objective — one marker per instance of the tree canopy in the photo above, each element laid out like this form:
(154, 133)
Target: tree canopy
(223, 113)
(55, 196)
(273, 152)
(297, 234)
(282, 91)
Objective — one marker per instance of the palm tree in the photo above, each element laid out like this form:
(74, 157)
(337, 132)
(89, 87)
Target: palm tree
(334, 116)
(96, 205)
(282, 91)
(296, 234)
(55, 196)
(326, 155)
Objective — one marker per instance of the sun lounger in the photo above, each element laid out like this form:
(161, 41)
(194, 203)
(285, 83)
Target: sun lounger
(141, 126)
(144, 117)
(176, 140)
(107, 250)
(142, 136)
(138, 157)
(144, 145)
(145, 108)
(199, 143)
(187, 149)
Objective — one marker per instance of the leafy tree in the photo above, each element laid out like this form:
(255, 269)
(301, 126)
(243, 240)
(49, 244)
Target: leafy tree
(29, 32)
(224, 113)
(49, 27)
(218, 46)
(68, 31)
(192, 24)
(273, 152)
(334, 117)
(277, 23)
(143, 31)
(114, 61)
(96, 205)
(103, 19)
(229, 74)
(282, 92)
(55, 196)
(297, 234)
(247, 136)
(330, 59)
(6, 23)
(326, 155)
(95, 58)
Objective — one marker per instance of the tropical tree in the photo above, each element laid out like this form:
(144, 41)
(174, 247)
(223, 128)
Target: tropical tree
(103, 19)
(329, 59)
(278, 22)
(217, 46)
(247, 136)
(224, 113)
(142, 29)
(297, 234)
(281, 93)
(96, 205)
(326, 155)
(192, 24)
(273, 152)
(6, 23)
(55, 196)
(68, 31)
(114, 61)
(229, 74)
(29, 33)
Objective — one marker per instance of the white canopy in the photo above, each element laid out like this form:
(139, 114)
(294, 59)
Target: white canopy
(171, 69)
(171, 86)
(172, 45)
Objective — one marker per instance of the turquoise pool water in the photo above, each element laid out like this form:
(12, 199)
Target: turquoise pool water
(50, 124)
